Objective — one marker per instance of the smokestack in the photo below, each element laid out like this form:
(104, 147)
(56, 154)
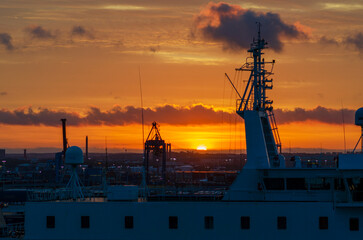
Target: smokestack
(86, 149)
(65, 143)
(25, 157)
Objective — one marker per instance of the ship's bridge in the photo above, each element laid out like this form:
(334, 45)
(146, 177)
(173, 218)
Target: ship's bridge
(299, 184)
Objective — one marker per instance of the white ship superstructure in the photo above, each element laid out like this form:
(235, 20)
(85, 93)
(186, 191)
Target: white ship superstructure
(266, 201)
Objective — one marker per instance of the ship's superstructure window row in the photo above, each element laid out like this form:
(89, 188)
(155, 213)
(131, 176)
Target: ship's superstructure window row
(303, 183)
(274, 183)
(295, 184)
(245, 223)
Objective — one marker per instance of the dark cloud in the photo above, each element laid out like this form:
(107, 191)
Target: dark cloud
(328, 41)
(39, 32)
(168, 114)
(235, 27)
(5, 39)
(3, 93)
(80, 31)
(154, 49)
(356, 41)
(319, 114)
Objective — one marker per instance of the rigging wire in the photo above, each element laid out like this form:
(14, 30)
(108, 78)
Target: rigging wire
(345, 144)
(224, 89)
(235, 118)
(241, 126)
(231, 118)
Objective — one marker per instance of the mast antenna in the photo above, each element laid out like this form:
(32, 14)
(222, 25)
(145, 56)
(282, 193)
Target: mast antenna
(106, 153)
(143, 183)
(259, 30)
(256, 108)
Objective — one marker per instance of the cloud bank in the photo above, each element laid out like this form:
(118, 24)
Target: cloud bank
(235, 27)
(168, 114)
(319, 114)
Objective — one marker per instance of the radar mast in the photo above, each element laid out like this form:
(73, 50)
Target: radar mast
(256, 109)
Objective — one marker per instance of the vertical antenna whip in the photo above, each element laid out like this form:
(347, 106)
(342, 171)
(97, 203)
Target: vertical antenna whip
(106, 153)
(105, 168)
(142, 109)
(259, 30)
(143, 183)
(345, 144)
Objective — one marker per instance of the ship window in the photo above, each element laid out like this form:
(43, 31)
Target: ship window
(281, 222)
(356, 187)
(208, 222)
(323, 223)
(173, 222)
(50, 221)
(319, 184)
(339, 184)
(354, 224)
(129, 222)
(274, 183)
(245, 222)
(295, 184)
(84, 221)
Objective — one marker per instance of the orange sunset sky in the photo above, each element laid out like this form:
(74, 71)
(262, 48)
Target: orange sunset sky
(80, 60)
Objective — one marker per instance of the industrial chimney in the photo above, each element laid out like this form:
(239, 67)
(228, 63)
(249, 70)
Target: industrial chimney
(65, 143)
(25, 156)
(86, 156)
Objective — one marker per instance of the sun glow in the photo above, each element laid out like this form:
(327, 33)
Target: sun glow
(201, 148)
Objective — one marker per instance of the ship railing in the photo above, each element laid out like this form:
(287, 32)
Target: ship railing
(194, 193)
(242, 105)
(60, 194)
(318, 163)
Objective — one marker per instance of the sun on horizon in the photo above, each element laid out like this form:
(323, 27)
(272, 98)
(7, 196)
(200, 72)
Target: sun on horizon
(202, 148)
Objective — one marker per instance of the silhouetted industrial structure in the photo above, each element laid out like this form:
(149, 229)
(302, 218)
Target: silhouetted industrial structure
(155, 144)
(65, 142)
(86, 155)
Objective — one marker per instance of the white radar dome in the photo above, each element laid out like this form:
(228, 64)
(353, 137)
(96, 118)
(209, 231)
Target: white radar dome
(74, 155)
(359, 117)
